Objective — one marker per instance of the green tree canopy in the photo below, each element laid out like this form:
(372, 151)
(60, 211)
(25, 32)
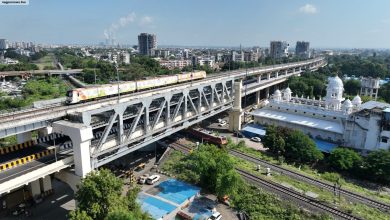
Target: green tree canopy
(344, 159)
(352, 87)
(377, 165)
(301, 148)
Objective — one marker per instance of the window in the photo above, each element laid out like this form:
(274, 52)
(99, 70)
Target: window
(384, 139)
(314, 113)
(324, 116)
(334, 117)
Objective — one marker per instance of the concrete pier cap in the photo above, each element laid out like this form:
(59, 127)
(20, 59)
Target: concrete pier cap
(81, 136)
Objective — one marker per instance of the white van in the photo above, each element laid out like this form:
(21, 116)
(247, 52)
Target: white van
(152, 179)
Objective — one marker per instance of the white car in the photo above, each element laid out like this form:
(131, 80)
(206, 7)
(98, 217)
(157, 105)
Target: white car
(222, 123)
(256, 139)
(152, 179)
(215, 216)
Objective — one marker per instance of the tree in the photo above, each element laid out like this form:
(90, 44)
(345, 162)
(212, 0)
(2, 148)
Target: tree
(344, 159)
(228, 184)
(352, 87)
(301, 148)
(99, 197)
(79, 215)
(215, 169)
(121, 215)
(97, 192)
(377, 165)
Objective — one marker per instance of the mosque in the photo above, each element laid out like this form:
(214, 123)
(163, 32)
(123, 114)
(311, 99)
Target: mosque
(334, 119)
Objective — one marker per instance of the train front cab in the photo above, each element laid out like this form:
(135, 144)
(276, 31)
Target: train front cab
(72, 97)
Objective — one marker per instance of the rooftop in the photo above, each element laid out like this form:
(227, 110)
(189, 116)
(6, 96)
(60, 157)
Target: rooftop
(374, 104)
(300, 120)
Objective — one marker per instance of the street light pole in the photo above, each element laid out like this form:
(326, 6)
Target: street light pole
(117, 75)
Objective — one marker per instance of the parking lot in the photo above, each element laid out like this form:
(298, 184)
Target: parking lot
(223, 129)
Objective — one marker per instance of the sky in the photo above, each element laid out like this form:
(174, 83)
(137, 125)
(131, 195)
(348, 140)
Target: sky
(324, 23)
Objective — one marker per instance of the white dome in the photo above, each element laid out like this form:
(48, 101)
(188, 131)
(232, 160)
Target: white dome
(287, 90)
(357, 100)
(335, 82)
(277, 93)
(347, 104)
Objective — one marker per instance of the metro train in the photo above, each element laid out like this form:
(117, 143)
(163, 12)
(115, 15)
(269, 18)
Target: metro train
(94, 92)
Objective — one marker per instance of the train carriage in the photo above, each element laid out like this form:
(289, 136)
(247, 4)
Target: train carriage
(90, 93)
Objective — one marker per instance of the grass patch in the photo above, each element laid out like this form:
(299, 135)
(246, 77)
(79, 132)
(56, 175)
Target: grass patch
(46, 62)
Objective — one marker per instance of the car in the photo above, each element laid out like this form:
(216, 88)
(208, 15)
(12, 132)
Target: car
(215, 216)
(142, 179)
(256, 139)
(152, 179)
(222, 123)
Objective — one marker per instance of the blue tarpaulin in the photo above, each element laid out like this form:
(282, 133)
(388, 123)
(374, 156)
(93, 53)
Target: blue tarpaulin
(253, 130)
(325, 146)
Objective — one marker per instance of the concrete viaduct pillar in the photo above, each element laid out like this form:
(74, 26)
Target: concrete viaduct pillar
(236, 113)
(23, 137)
(267, 92)
(81, 136)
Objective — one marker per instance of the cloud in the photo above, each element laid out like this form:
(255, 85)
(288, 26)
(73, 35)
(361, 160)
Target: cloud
(146, 20)
(110, 32)
(308, 9)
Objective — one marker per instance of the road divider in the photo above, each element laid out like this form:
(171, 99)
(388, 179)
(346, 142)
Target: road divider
(30, 143)
(21, 161)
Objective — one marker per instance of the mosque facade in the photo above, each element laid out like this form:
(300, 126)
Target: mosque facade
(349, 123)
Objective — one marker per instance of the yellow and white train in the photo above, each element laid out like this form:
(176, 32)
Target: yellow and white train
(90, 93)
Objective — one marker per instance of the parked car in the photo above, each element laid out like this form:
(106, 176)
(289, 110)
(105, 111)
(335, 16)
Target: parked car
(142, 179)
(152, 179)
(215, 216)
(222, 123)
(256, 139)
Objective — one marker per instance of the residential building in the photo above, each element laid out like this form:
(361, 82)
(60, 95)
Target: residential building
(302, 49)
(146, 43)
(171, 64)
(3, 44)
(369, 87)
(279, 49)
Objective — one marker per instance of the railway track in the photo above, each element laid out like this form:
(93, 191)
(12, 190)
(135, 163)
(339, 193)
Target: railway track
(348, 194)
(296, 196)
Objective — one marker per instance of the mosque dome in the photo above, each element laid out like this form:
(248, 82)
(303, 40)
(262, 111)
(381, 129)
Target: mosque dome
(347, 104)
(357, 100)
(277, 93)
(335, 82)
(287, 90)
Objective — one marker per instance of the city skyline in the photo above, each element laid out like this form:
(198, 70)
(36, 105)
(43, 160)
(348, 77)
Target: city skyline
(328, 24)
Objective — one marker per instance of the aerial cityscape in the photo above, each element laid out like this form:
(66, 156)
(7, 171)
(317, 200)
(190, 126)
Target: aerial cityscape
(203, 110)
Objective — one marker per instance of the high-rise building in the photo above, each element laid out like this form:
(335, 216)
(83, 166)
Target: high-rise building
(147, 43)
(3, 44)
(279, 49)
(302, 49)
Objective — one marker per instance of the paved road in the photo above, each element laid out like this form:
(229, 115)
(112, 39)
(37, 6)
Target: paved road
(22, 153)
(56, 206)
(28, 167)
